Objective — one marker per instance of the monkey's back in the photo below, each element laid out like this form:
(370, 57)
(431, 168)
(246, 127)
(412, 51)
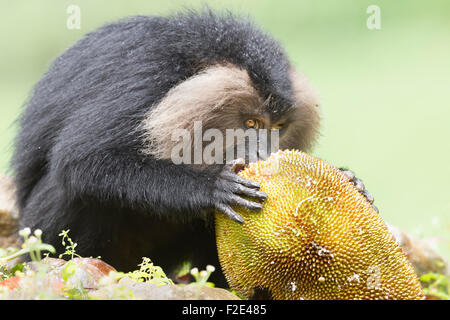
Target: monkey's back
(115, 74)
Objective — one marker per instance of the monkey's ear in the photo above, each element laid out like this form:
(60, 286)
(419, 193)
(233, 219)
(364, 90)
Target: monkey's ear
(304, 93)
(305, 116)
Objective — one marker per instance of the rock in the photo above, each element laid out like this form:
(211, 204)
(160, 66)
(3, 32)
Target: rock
(87, 271)
(422, 257)
(90, 270)
(12, 241)
(8, 197)
(54, 264)
(11, 283)
(432, 297)
(45, 279)
(148, 291)
(8, 214)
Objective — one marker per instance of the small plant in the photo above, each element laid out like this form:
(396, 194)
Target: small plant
(201, 278)
(70, 247)
(184, 269)
(30, 282)
(35, 282)
(436, 284)
(32, 245)
(70, 280)
(73, 286)
(148, 272)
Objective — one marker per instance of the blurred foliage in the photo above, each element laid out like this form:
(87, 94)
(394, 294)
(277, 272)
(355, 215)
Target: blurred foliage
(437, 285)
(385, 93)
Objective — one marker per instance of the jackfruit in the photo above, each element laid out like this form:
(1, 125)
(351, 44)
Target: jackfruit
(316, 237)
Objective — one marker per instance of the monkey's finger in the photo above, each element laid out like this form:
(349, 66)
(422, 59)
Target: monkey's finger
(240, 180)
(359, 186)
(348, 173)
(254, 206)
(226, 209)
(368, 196)
(242, 190)
(357, 182)
(248, 183)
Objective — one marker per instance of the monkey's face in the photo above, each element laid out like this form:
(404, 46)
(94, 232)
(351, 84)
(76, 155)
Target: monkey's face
(218, 115)
(253, 134)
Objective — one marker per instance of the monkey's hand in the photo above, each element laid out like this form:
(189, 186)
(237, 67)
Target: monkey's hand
(359, 185)
(230, 190)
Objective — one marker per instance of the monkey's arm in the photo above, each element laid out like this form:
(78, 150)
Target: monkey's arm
(114, 171)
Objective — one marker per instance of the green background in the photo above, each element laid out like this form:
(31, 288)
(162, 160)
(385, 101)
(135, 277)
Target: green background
(385, 93)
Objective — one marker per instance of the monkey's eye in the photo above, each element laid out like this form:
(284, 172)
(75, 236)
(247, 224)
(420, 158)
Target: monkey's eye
(278, 126)
(252, 123)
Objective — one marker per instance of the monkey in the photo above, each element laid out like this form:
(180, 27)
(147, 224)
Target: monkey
(92, 154)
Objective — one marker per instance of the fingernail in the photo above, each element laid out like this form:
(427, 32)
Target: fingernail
(368, 196)
(256, 184)
(257, 206)
(238, 219)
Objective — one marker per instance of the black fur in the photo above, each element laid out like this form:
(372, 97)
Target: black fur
(77, 162)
